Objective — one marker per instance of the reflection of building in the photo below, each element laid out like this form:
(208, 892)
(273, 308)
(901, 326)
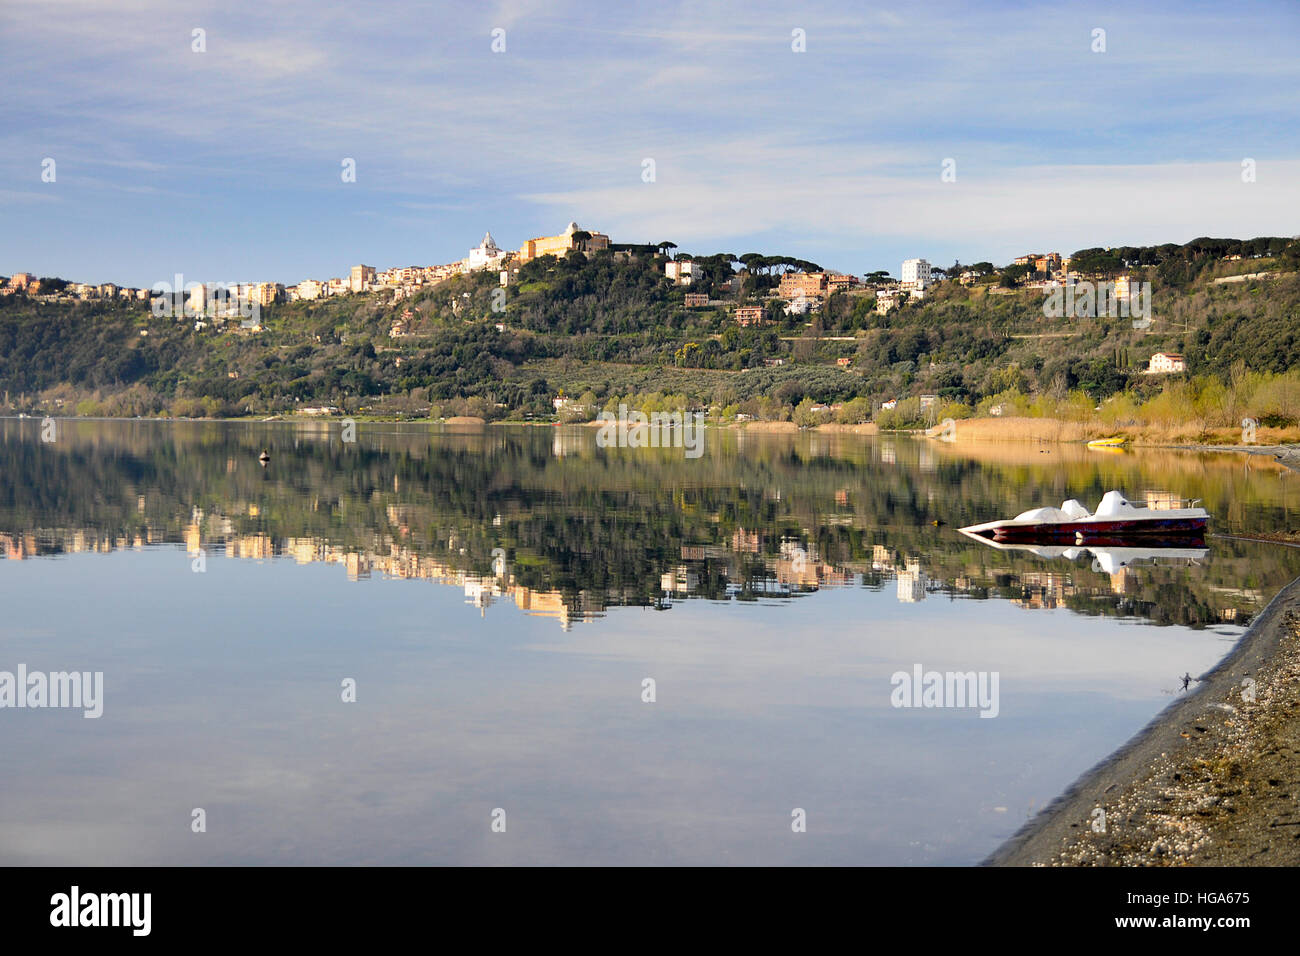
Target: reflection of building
(911, 584)
(480, 592)
(699, 550)
(702, 571)
(1122, 580)
(1044, 589)
(554, 605)
(682, 580)
(566, 443)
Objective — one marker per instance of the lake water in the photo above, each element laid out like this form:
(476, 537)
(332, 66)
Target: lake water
(500, 598)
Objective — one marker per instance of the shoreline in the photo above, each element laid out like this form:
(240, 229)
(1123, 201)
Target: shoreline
(1010, 430)
(1280, 443)
(1212, 780)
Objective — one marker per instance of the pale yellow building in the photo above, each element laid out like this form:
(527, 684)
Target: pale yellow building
(563, 244)
(361, 278)
(267, 293)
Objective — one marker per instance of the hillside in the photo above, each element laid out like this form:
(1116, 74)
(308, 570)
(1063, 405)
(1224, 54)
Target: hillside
(605, 329)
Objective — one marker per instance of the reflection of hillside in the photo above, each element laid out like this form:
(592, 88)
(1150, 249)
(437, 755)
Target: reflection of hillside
(585, 529)
(701, 572)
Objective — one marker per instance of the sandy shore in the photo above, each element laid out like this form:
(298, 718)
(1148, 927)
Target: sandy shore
(1022, 429)
(1214, 780)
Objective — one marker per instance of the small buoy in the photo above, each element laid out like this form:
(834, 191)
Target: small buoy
(265, 457)
(937, 522)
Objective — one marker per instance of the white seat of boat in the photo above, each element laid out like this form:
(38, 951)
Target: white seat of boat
(1044, 516)
(1112, 504)
(1075, 510)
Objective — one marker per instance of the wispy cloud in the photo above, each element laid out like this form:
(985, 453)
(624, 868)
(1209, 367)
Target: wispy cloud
(837, 147)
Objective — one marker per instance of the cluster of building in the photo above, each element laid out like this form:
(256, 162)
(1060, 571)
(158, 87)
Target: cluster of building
(1044, 265)
(201, 297)
(917, 276)
(800, 292)
(486, 256)
(29, 284)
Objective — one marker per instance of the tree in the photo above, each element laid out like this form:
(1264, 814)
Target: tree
(1012, 275)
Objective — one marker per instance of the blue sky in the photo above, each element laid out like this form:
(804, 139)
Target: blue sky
(225, 165)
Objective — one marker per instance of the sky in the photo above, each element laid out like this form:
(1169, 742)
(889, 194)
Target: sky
(226, 164)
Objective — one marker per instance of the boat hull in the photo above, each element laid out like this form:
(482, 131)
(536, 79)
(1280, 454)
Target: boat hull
(1081, 531)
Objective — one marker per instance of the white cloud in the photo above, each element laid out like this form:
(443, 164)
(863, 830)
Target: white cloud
(713, 197)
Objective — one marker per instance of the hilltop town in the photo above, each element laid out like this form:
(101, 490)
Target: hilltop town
(568, 324)
(803, 290)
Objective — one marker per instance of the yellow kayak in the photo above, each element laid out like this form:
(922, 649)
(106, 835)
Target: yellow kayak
(1108, 442)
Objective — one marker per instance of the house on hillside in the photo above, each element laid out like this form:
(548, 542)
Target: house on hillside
(681, 271)
(1166, 363)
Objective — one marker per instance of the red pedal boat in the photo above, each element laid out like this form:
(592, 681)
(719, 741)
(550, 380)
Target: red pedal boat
(1115, 518)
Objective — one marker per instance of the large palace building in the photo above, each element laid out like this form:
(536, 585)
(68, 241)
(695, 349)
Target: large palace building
(563, 244)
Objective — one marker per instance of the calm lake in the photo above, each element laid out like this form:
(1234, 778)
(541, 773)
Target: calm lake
(567, 654)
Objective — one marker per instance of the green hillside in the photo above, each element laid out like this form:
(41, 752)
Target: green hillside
(607, 328)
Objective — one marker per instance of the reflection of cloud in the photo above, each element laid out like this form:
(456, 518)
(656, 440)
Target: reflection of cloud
(236, 709)
(855, 639)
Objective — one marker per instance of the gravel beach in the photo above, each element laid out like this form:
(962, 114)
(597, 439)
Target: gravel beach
(1214, 780)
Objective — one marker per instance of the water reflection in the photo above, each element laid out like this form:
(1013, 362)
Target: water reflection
(545, 520)
(771, 587)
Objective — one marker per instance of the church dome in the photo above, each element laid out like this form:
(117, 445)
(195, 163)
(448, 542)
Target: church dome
(573, 227)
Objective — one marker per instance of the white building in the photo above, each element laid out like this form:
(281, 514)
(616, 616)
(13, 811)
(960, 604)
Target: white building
(802, 305)
(486, 255)
(1166, 363)
(916, 274)
(887, 299)
(310, 289)
(681, 271)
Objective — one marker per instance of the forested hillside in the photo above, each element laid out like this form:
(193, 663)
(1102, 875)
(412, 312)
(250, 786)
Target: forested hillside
(607, 328)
